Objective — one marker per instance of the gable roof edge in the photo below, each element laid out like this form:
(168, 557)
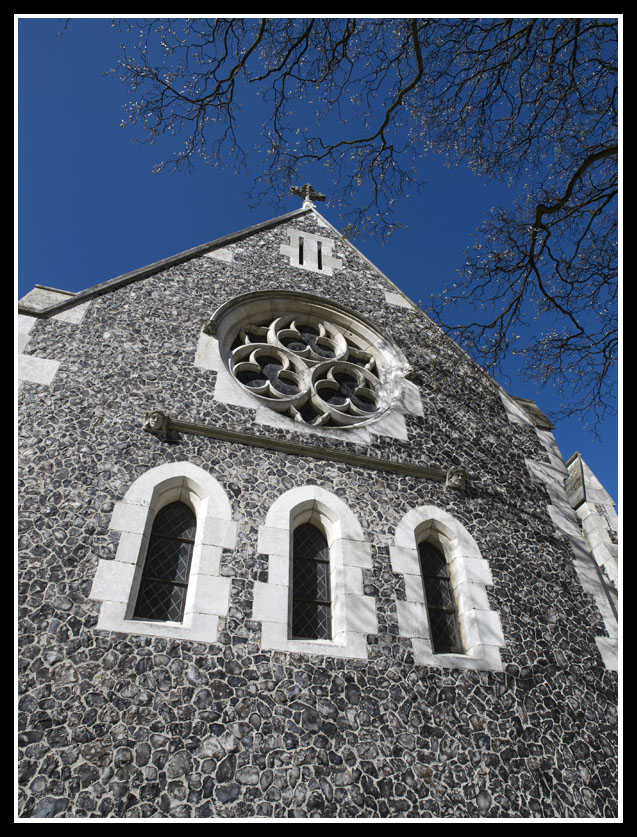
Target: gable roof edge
(362, 255)
(154, 267)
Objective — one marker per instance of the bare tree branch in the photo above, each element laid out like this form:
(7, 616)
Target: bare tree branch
(531, 101)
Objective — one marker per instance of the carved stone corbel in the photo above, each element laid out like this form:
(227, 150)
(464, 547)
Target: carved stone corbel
(456, 478)
(156, 423)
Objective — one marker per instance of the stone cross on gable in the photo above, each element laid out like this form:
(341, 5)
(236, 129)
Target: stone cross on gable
(307, 192)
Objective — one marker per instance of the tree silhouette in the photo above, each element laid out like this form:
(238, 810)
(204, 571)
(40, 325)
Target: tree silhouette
(531, 101)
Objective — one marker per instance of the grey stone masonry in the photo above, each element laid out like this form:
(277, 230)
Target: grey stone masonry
(185, 382)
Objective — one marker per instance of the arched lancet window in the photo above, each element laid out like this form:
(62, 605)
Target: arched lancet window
(440, 600)
(446, 610)
(137, 517)
(348, 616)
(164, 583)
(311, 597)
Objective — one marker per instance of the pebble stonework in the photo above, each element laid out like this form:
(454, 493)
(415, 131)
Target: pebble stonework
(286, 551)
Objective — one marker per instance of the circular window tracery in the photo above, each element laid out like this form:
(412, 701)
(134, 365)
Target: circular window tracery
(308, 358)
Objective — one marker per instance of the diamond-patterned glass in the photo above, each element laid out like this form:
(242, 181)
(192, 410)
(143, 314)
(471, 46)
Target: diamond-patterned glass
(441, 605)
(432, 561)
(168, 559)
(175, 520)
(311, 608)
(309, 542)
(439, 593)
(164, 583)
(444, 630)
(161, 601)
(311, 622)
(311, 580)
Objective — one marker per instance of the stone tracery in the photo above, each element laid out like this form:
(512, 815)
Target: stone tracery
(305, 365)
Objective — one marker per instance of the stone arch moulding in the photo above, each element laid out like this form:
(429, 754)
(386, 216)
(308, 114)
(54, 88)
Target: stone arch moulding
(116, 582)
(470, 575)
(353, 614)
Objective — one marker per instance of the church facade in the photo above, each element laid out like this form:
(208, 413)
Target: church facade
(287, 551)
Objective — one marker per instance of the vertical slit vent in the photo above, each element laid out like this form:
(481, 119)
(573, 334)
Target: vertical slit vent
(319, 255)
(300, 249)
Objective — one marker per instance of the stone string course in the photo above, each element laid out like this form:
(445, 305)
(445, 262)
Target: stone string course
(116, 725)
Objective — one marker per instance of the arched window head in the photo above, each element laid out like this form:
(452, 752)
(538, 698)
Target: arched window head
(164, 583)
(311, 596)
(440, 600)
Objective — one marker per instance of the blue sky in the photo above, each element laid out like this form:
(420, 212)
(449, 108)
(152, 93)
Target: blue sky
(89, 207)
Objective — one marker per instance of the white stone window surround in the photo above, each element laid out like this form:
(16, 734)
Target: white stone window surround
(353, 614)
(116, 582)
(470, 575)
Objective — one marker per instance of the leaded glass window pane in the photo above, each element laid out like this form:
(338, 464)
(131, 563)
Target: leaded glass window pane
(440, 601)
(162, 592)
(311, 598)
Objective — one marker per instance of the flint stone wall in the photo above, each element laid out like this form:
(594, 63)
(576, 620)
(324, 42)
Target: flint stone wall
(123, 725)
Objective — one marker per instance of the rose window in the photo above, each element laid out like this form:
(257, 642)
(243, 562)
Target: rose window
(314, 362)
